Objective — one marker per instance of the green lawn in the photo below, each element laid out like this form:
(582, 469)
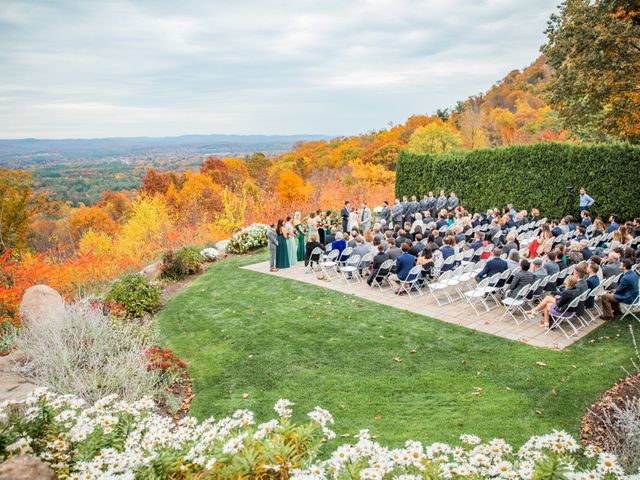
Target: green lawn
(246, 332)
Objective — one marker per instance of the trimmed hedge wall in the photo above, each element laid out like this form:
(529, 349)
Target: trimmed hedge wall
(529, 176)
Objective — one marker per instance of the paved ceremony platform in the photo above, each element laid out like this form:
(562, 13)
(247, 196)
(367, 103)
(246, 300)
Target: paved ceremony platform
(492, 322)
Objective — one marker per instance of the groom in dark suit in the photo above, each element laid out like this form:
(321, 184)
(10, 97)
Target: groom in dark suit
(344, 213)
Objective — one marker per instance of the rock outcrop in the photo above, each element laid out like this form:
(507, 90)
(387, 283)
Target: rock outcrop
(25, 467)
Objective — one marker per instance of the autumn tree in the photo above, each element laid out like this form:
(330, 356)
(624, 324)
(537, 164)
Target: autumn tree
(594, 47)
(15, 209)
(158, 182)
(91, 218)
(433, 138)
(216, 169)
(291, 188)
(258, 166)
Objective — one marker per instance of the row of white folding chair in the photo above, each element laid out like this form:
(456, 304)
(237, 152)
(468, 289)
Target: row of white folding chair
(568, 316)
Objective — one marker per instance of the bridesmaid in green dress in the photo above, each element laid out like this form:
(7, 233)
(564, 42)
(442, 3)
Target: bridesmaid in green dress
(282, 255)
(292, 243)
(300, 230)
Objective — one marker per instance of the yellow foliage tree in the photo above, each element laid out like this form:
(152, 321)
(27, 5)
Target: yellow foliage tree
(433, 138)
(291, 188)
(146, 230)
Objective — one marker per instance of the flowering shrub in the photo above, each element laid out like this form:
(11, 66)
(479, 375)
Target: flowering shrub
(136, 295)
(126, 440)
(166, 364)
(252, 237)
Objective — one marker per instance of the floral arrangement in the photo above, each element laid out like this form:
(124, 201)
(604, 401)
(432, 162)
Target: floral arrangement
(249, 238)
(125, 440)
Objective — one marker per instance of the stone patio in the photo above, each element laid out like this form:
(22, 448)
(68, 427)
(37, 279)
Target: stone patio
(457, 313)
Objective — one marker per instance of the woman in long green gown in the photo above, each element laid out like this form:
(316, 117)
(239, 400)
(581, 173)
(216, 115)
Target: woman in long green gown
(282, 254)
(301, 231)
(292, 243)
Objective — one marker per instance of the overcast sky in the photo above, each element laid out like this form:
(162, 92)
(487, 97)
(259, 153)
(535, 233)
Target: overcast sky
(84, 68)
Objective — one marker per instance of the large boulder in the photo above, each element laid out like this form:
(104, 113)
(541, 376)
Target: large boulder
(41, 303)
(15, 386)
(24, 467)
(221, 246)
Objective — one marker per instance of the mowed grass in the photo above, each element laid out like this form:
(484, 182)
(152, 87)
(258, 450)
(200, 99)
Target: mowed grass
(244, 332)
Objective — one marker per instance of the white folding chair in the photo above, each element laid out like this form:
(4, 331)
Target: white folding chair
(344, 256)
(314, 260)
(349, 271)
(630, 308)
(364, 265)
(516, 304)
(382, 277)
(479, 294)
(566, 316)
(329, 263)
(410, 284)
(440, 286)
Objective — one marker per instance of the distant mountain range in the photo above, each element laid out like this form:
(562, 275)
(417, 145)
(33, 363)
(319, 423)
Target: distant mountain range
(33, 150)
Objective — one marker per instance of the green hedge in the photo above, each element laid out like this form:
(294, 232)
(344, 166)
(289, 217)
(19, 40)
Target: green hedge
(529, 176)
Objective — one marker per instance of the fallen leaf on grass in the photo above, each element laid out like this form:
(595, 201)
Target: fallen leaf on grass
(476, 391)
(378, 417)
(554, 391)
(508, 388)
(540, 412)
(245, 395)
(398, 359)
(413, 351)
(345, 435)
(541, 364)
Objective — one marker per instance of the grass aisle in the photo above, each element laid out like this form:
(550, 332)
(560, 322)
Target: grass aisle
(244, 332)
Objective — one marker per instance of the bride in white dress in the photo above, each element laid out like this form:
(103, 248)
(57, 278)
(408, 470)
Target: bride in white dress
(353, 221)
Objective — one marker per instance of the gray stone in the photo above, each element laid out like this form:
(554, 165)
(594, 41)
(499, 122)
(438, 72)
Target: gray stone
(24, 467)
(222, 247)
(152, 271)
(15, 386)
(41, 303)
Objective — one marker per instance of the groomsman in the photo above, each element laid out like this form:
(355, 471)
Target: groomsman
(405, 209)
(385, 214)
(365, 217)
(453, 202)
(441, 202)
(414, 207)
(272, 241)
(397, 212)
(344, 214)
(431, 205)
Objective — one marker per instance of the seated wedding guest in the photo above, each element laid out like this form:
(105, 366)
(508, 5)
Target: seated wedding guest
(437, 238)
(600, 229)
(493, 266)
(511, 243)
(404, 264)
(626, 292)
(459, 235)
(417, 222)
(513, 259)
(598, 261)
(388, 241)
(561, 258)
(377, 231)
(417, 231)
(361, 247)
(585, 250)
(508, 222)
(550, 265)
(574, 256)
(636, 227)
(312, 244)
(520, 279)
(612, 266)
(447, 250)
(592, 282)
(555, 228)
(478, 241)
(378, 260)
(442, 220)
(539, 273)
(373, 246)
(368, 237)
(394, 251)
(581, 275)
(535, 215)
(339, 243)
(425, 260)
(418, 246)
(630, 253)
(557, 304)
(586, 218)
(613, 224)
(329, 239)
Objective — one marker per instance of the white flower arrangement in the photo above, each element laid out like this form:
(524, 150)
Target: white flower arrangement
(249, 238)
(115, 439)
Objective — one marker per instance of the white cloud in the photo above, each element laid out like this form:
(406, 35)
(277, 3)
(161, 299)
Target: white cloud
(125, 67)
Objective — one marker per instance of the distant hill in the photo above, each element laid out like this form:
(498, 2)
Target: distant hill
(28, 151)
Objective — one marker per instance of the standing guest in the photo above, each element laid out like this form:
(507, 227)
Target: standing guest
(441, 202)
(272, 241)
(626, 292)
(385, 213)
(453, 202)
(300, 235)
(585, 200)
(397, 212)
(344, 214)
(322, 227)
(312, 222)
(365, 217)
(282, 253)
(311, 245)
(404, 264)
(292, 242)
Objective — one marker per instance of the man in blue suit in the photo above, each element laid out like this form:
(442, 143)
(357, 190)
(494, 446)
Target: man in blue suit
(626, 292)
(493, 266)
(447, 250)
(404, 263)
(592, 282)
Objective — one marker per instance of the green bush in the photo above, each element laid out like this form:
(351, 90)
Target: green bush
(135, 294)
(529, 176)
(177, 265)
